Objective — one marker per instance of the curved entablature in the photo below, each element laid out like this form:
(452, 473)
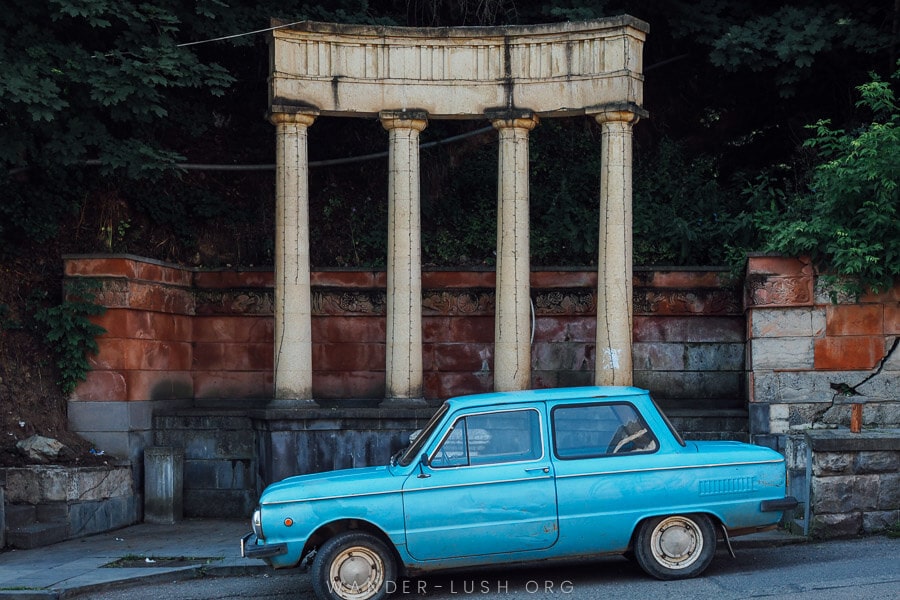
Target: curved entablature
(552, 70)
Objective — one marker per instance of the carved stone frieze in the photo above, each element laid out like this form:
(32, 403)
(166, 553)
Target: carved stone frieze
(561, 302)
(358, 302)
(458, 302)
(779, 291)
(699, 301)
(230, 302)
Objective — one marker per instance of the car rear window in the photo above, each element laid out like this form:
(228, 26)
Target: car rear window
(592, 430)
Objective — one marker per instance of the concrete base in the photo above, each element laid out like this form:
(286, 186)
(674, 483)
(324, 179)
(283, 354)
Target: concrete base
(163, 484)
(231, 454)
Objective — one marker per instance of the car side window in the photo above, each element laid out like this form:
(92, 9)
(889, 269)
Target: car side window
(593, 430)
(491, 438)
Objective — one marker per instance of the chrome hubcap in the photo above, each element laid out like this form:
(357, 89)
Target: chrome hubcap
(676, 543)
(357, 574)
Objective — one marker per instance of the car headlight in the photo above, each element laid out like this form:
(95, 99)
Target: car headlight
(256, 523)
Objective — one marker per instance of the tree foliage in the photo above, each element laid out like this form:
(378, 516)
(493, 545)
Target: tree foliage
(847, 218)
(101, 100)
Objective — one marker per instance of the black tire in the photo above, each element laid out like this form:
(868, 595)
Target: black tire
(353, 566)
(675, 547)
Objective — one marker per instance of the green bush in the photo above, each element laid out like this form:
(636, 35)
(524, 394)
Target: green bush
(70, 334)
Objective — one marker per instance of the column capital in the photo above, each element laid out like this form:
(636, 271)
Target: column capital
(407, 119)
(625, 112)
(514, 119)
(502, 118)
(284, 115)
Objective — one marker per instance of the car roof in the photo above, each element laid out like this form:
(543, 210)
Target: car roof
(593, 393)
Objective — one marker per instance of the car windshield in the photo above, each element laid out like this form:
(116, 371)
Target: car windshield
(420, 437)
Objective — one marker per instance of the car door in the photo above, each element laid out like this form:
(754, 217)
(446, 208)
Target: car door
(607, 471)
(488, 488)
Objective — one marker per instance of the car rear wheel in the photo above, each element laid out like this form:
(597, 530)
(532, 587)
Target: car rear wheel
(675, 547)
(353, 566)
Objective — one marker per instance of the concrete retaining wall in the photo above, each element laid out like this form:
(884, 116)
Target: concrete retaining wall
(47, 504)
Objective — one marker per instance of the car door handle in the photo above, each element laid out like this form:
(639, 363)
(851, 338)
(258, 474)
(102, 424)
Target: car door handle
(538, 470)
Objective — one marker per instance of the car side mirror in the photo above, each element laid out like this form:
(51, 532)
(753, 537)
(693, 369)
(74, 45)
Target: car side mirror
(423, 462)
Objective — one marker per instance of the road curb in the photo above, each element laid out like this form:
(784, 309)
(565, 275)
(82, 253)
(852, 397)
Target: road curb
(167, 576)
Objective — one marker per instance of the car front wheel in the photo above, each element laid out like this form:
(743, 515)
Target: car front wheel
(353, 566)
(675, 547)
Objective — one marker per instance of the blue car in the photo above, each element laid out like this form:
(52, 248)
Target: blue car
(522, 476)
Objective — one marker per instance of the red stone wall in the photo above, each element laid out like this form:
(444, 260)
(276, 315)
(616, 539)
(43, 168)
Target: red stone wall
(810, 355)
(176, 332)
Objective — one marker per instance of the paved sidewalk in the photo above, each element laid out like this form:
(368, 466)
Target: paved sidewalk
(76, 567)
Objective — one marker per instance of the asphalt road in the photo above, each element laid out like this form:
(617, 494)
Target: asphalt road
(837, 570)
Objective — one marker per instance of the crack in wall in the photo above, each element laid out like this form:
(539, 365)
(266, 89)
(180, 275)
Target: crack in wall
(844, 389)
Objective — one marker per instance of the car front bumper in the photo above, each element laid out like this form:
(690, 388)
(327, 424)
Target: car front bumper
(251, 548)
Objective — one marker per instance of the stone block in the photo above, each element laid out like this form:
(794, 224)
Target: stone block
(366, 328)
(110, 416)
(892, 318)
(845, 494)
(759, 418)
(781, 353)
(689, 329)
(658, 356)
(835, 525)
(884, 387)
(565, 328)
(832, 463)
(262, 277)
(163, 484)
(790, 322)
(691, 385)
(469, 357)
(61, 484)
(573, 356)
(789, 387)
(220, 356)
(233, 384)
(877, 462)
(358, 384)
(159, 385)
(219, 474)
(889, 491)
(102, 386)
(19, 515)
(88, 518)
(714, 357)
(854, 319)
(879, 521)
(233, 329)
(574, 378)
(51, 511)
(220, 504)
(848, 353)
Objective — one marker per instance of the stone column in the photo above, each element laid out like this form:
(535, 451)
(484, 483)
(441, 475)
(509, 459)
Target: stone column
(512, 322)
(613, 364)
(403, 369)
(293, 313)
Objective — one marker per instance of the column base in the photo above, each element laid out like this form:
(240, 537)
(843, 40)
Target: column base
(403, 403)
(292, 403)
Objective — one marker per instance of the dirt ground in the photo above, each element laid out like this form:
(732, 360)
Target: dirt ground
(30, 401)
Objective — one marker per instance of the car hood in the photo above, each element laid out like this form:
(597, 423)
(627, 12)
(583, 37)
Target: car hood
(333, 484)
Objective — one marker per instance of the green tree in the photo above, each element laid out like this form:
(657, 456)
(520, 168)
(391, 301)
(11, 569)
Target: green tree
(847, 218)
